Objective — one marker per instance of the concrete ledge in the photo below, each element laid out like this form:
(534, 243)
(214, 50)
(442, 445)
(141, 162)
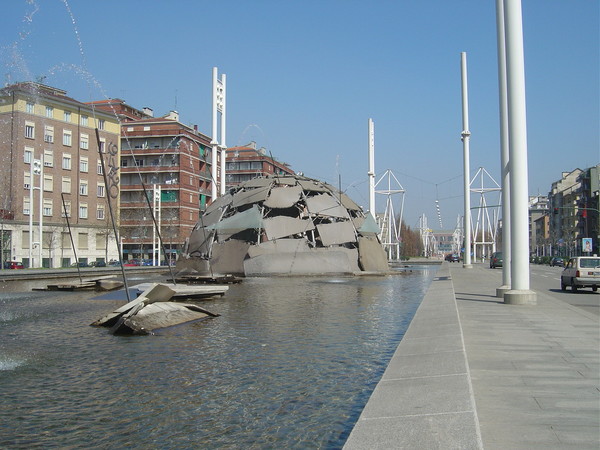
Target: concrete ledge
(520, 297)
(424, 398)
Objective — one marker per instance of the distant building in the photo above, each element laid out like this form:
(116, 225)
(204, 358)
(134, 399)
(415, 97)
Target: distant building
(49, 141)
(167, 158)
(247, 162)
(573, 204)
(538, 207)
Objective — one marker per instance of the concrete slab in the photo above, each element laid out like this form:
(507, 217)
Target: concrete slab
(531, 375)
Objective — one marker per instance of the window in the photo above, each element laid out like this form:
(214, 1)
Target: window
(49, 134)
(27, 155)
(83, 164)
(66, 185)
(84, 121)
(99, 168)
(123, 162)
(85, 141)
(66, 161)
(101, 124)
(67, 138)
(82, 239)
(100, 190)
(67, 116)
(83, 214)
(66, 206)
(26, 180)
(100, 214)
(29, 130)
(48, 183)
(30, 108)
(48, 158)
(102, 145)
(83, 187)
(26, 208)
(50, 112)
(47, 210)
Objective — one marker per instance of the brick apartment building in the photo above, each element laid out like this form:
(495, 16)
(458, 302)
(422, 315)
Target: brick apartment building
(48, 140)
(170, 160)
(247, 162)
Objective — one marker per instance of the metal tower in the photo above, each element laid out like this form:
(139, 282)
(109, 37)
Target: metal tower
(485, 228)
(390, 236)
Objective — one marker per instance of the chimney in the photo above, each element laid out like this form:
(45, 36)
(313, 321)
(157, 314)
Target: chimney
(173, 115)
(148, 111)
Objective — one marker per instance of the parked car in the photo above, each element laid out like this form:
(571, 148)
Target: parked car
(496, 260)
(132, 263)
(556, 261)
(13, 265)
(114, 263)
(452, 257)
(581, 272)
(80, 264)
(97, 264)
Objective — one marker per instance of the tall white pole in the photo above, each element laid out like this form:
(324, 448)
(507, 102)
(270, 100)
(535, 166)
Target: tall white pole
(371, 167)
(214, 142)
(517, 137)
(31, 163)
(223, 144)
(153, 227)
(41, 211)
(465, 136)
(159, 201)
(504, 151)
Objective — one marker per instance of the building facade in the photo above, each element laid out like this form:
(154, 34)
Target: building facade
(49, 146)
(161, 159)
(573, 206)
(247, 162)
(538, 207)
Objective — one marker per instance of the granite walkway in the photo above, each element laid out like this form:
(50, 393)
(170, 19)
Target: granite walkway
(473, 372)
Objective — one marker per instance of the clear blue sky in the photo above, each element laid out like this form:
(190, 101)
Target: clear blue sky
(304, 77)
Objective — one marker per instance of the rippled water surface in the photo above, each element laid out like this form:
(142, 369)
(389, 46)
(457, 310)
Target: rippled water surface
(290, 363)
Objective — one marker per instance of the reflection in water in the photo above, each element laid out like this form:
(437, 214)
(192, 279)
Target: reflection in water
(289, 364)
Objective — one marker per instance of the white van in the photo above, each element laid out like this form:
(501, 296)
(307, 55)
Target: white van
(581, 272)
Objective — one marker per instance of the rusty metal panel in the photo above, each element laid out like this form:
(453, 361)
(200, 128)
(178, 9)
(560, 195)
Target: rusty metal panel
(336, 233)
(283, 197)
(283, 226)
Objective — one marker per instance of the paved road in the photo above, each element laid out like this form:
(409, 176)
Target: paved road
(547, 279)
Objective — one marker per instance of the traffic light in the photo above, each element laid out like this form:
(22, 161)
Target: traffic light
(555, 210)
(37, 167)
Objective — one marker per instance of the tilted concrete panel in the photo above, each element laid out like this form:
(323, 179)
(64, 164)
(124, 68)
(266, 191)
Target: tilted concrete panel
(283, 226)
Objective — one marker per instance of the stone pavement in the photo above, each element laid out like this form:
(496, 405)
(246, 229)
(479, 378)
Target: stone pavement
(473, 372)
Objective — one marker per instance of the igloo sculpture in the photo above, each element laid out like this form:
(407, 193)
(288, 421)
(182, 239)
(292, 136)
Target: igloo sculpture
(281, 226)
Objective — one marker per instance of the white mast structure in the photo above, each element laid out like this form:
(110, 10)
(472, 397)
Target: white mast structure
(427, 238)
(218, 106)
(466, 136)
(390, 235)
(371, 172)
(457, 236)
(485, 229)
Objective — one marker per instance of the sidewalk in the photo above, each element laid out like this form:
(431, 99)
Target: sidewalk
(473, 372)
